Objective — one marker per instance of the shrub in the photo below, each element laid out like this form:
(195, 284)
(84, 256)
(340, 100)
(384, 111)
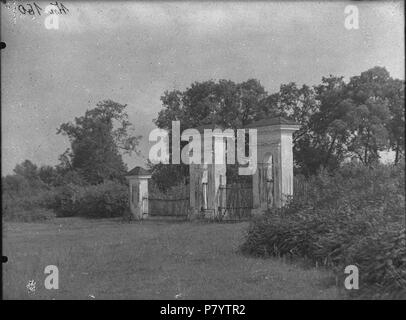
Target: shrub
(71, 177)
(353, 217)
(28, 208)
(31, 215)
(109, 199)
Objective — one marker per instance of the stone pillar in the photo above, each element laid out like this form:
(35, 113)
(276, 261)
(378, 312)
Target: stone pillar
(195, 181)
(286, 164)
(219, 172)
(211, 171)
(274, 141)
(138, 192)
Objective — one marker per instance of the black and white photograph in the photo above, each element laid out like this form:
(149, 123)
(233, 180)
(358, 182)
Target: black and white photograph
(211, 151)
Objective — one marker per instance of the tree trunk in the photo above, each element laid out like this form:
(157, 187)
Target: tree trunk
(329, 151)
(366, 155)
(366, 149)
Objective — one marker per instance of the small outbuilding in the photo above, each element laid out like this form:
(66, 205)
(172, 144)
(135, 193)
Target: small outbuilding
(138, 191)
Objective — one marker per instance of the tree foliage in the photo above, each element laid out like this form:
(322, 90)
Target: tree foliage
(96, 139)
(339, 119)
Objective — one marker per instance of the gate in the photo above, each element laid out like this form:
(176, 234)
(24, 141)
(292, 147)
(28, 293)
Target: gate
(238, 203)
(176, 207)
(172, 203)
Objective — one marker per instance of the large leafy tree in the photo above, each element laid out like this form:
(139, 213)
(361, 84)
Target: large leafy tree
(225, 103)
(358, 119)
(395, 94)
(28, 170)
(369, 114)
(25, 181)
(96, 140)
(48, 174)
(339, 119)
(298, 104)
(328, 126)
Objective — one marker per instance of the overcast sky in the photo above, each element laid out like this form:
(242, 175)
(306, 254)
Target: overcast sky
(132, 52)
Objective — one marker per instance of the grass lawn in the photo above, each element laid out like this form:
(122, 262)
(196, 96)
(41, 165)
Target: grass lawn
(109, 259)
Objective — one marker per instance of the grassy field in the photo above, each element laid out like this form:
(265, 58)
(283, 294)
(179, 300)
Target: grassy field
(109, 259)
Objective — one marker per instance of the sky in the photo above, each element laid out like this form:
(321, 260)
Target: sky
(131, 52)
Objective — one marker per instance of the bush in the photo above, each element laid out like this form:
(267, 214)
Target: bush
(109, 199)
(31, 215)
(69, 177)
(353, 217)
(29, 208)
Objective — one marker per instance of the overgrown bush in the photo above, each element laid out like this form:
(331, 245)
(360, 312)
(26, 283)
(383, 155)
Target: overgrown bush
(30, 208)
(109, 199)
(356, 216)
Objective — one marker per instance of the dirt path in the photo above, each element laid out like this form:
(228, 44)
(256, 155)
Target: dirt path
(110, 260)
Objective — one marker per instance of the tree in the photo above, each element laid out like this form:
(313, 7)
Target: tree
(395, 93)
(298, 104)
(166, 176)
(27, 169)
(15, 184)
(328, 126)
(369, 114)
(25, 180)
(338, 119)
(96, 139)
(359, 118)
(223, 103)
(48, 174)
